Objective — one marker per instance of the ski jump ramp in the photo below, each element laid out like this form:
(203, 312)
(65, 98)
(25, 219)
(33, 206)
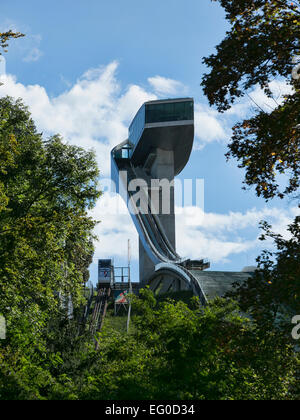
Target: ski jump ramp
(143, 168)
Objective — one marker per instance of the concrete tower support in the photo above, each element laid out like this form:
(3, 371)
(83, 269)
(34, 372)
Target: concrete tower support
(162, 170)
(146, 266)
(162, 196)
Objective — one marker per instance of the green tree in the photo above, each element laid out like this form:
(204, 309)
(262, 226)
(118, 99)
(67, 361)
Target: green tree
(46, 237)
(6, 36)
(179, 352)
(261, 45)
(271, 296)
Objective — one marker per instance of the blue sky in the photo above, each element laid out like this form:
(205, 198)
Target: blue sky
(84, 69)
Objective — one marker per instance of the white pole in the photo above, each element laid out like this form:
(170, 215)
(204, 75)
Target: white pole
(130, 287)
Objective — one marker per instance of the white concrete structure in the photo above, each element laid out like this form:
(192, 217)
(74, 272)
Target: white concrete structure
(143, 169)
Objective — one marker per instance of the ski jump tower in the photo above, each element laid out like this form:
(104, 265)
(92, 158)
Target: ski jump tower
(143, 169)
(158, 147)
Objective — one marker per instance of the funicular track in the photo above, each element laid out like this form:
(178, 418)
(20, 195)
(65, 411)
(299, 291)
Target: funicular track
(99, 310)
(95, 310)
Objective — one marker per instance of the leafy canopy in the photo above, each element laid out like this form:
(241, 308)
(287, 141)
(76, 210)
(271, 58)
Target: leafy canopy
(46, 189)
(261, 46)
(6, 36)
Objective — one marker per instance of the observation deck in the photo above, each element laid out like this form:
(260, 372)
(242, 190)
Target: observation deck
(163, 124)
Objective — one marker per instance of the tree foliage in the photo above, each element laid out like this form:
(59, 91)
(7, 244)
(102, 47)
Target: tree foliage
(176, 352)
(6, 36)
(261, 46)
(46, 188)
(271, 296)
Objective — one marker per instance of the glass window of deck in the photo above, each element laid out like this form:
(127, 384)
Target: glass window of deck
(169, 111)
(160, 112)
(137, 126)
(123, 153)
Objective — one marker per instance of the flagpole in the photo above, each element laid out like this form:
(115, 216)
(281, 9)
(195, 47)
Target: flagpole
(130, 286)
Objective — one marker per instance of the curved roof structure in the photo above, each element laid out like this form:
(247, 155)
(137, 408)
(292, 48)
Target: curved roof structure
(165, 124)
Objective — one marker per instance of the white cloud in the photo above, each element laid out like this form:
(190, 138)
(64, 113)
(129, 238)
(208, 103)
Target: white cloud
(8, 24)
(278, 88)
(257, 100)
(28, 46)
(2, 65)
(95, 113)
(219, 236)
(33, 55)
(163, 86)
(209, 126)
(115, 229)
